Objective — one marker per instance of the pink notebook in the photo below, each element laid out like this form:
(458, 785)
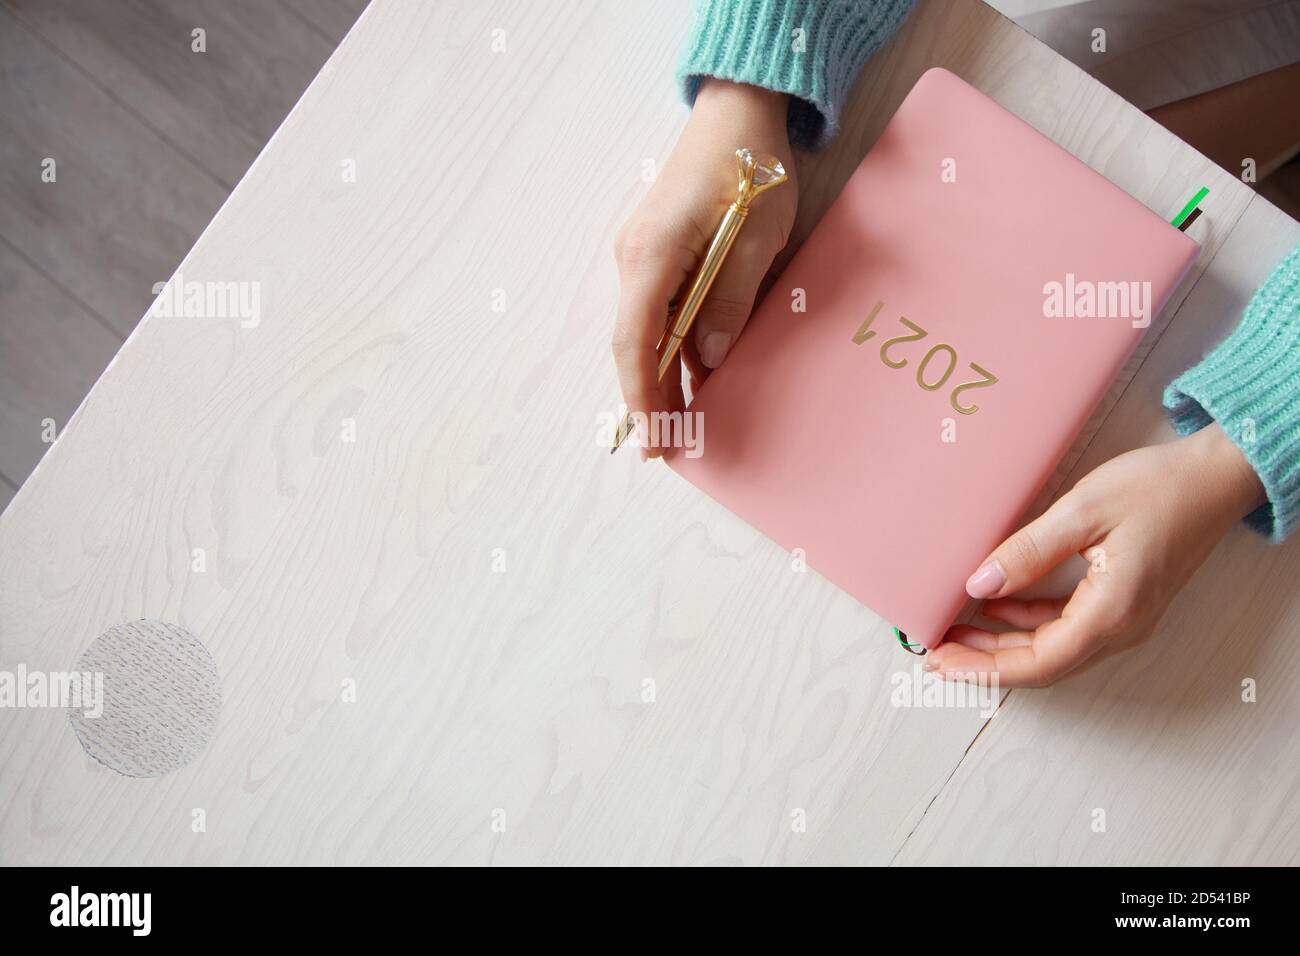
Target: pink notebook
(968, 299)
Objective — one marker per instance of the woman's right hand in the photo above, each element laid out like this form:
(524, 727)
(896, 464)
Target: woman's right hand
(664, 239)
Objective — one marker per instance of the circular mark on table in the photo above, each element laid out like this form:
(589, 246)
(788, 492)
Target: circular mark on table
(161, 698)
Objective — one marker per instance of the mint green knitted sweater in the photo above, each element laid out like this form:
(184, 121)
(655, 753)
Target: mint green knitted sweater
(813, 50)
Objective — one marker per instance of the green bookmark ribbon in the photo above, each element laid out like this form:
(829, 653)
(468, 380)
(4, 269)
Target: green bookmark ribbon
(1191, 205)
(902, 640)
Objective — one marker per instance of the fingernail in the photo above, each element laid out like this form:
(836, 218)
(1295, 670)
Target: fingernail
(645, 455)
(930, 666)
(987, 581)
(714, 348)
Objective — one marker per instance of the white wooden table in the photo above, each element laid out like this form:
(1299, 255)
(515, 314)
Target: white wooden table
(490, 180)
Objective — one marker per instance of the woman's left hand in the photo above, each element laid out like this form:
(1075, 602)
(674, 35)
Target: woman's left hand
(1144, 521)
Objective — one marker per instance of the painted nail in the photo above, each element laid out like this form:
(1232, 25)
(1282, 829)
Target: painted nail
(714, 348)
(987, 581)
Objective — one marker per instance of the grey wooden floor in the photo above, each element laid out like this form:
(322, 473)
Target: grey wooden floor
(118, 142)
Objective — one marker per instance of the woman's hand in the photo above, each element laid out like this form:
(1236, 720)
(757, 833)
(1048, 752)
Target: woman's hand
(659, 247)
(1144, 521)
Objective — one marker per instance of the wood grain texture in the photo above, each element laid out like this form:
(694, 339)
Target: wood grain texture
(499, 589)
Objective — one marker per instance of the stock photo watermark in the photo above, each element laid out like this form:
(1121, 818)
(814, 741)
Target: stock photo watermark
(63, 690)
(922, 689)
(1083, 299)
(77, 908)
(684, 430)
(179, 299)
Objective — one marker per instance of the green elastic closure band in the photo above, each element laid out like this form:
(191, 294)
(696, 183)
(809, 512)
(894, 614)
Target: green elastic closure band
(1192, 204)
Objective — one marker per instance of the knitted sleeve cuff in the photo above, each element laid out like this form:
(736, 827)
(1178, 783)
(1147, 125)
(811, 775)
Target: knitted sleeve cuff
(811, 49)
(1250, 385)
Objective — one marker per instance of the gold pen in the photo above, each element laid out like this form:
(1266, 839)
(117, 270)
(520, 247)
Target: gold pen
(757, 174)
